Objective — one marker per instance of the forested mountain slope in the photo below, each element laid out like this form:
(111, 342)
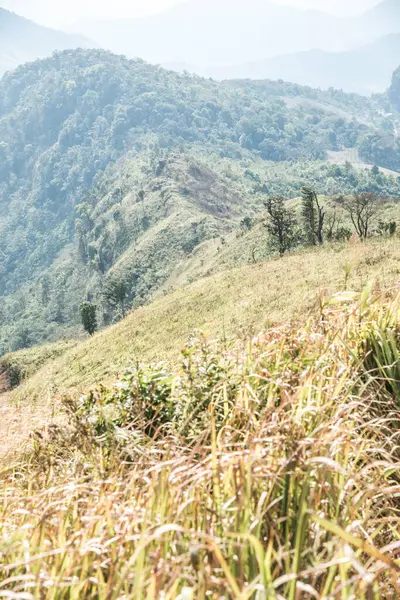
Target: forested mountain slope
(22, 41)
(112, 166)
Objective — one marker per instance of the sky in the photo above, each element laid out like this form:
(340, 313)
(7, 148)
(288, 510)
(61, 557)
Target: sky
(59, 13)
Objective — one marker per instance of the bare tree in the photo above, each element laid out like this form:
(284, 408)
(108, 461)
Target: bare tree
(362, 209)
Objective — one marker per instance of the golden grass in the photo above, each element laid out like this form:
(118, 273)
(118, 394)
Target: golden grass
(28, 361)
(17, 421)
(254, 295)
(240, 299)
(289, 492)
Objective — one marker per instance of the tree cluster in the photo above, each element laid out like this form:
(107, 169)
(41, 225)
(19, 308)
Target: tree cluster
(318, 225)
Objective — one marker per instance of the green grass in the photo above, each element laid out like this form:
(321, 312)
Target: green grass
(284, 485)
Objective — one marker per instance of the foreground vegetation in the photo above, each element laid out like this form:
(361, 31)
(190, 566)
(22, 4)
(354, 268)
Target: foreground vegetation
(259, 468)
(235, 301)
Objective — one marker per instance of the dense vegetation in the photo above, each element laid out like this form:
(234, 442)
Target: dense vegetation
(113, 168)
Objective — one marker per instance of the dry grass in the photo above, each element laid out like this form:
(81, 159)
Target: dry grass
(246, 297)
(235, 301)
(289, 490)
(25, 363)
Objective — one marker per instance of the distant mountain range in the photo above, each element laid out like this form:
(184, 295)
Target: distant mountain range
(218, 32)
(234, 39)
(259, 39)
(364, 70)
(22, 41)
(228, 32)
(383, 19)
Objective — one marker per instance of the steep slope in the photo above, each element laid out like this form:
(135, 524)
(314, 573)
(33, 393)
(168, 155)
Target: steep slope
(138, 231)
(23, 41)
(394, 90)
(111, 166)
(365, 70)
(237, 301)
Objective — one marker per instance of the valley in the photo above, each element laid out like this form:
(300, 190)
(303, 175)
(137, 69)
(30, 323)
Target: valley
(200, 302)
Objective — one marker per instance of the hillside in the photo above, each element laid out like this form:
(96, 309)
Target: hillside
(199, 323)
(115, 169)
(276, 450)
(232, 301)
(23, 41)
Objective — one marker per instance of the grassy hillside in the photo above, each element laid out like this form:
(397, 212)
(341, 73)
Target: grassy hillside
(113, 168)
(19, 366)
(143, 221)
(232, 302)
(149, 220)
(230, 431)
(252, 470)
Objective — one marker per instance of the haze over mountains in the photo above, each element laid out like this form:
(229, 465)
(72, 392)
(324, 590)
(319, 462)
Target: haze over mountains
(363, 70)
(208, 33)
(22, 41)
(224, 40)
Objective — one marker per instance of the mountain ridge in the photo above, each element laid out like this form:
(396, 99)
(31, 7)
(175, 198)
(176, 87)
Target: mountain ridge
(371, 67)
(177, 30)
(196, 36)
(23, 40)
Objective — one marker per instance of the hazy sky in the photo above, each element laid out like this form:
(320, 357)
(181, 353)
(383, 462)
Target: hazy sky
(62, 12)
